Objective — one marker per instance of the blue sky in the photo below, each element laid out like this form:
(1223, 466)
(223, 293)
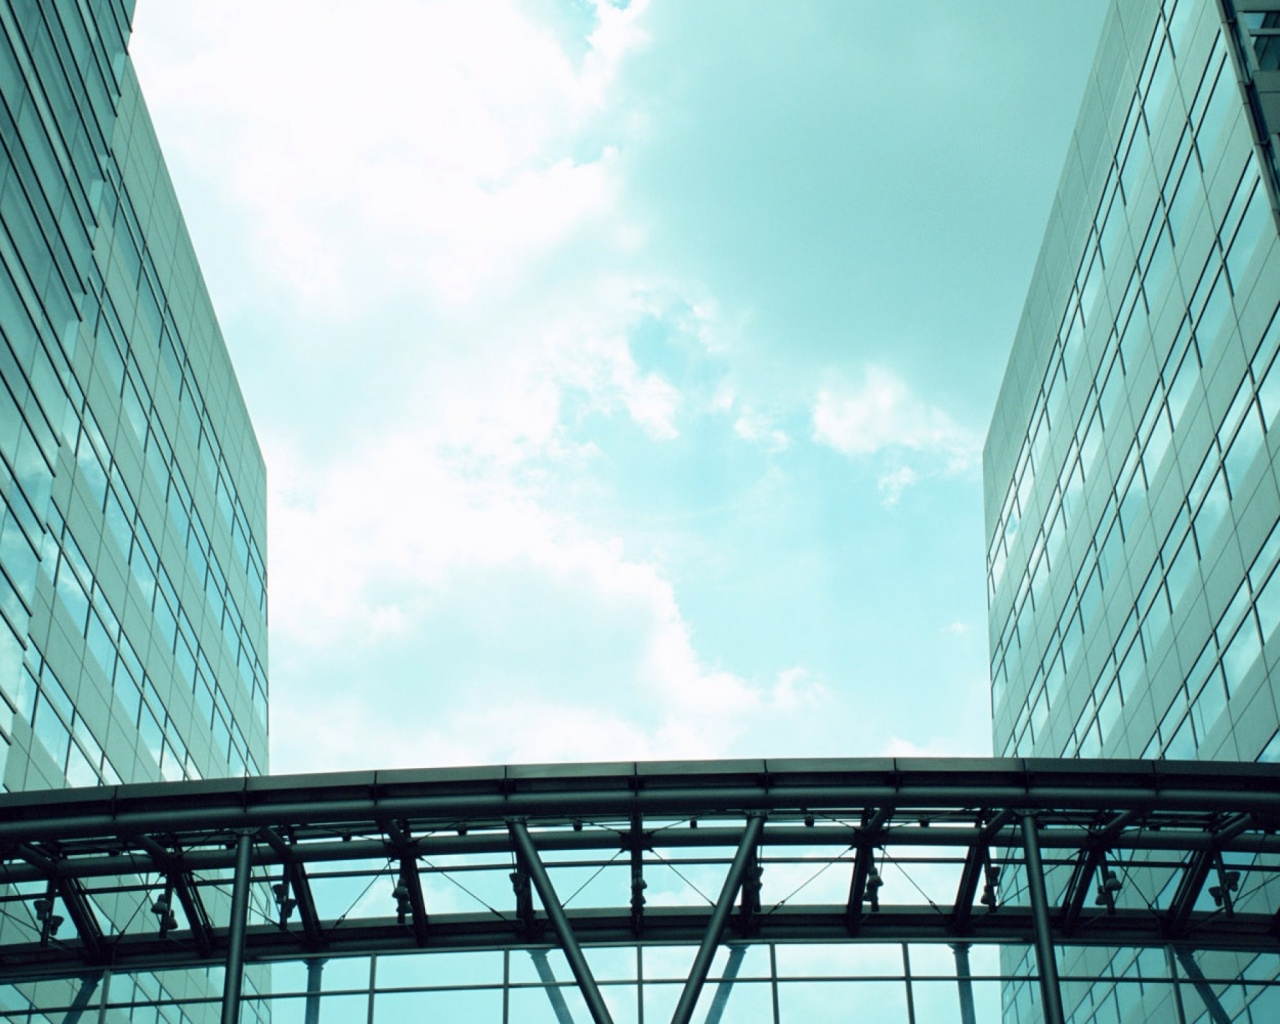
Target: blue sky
(621, 370)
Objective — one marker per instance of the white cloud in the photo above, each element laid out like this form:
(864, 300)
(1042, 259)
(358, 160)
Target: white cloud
(884, 414)
(369, 162)
(892, 484)
(899, 747)
(365, 547)
(757, 428)
(797, 687)
(883, 419)
(401, 196)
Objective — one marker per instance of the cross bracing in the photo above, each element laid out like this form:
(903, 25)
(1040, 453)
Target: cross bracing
(1042, 853)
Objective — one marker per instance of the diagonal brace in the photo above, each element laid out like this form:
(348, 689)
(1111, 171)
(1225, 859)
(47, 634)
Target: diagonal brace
(171, 866)
(1184, 900)
(1046, 962)
(82, 916)
(295, 873)
(975, 862)
(863, 863)
(71, 892)
(418, 905)
(719, 918)
(637, 841)
(300, 885)
(193, 907)
(1078, 887)
(401, 841)
(523, 843)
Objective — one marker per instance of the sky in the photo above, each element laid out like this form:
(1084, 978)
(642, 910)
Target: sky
(621, 370)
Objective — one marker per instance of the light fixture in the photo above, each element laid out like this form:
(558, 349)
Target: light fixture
(401, 896)
(285, 905)
(49, 921)
(1108, 886)
(164, 914)
(874, 882)
(1228, 882)
(991, 888)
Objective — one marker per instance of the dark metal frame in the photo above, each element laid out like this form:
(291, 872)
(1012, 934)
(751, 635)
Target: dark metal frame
(991, 816)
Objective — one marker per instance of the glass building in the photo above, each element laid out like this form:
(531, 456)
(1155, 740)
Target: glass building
(1131, 494)
(133, 642)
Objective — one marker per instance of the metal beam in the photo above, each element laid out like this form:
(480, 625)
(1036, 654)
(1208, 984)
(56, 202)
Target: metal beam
(564, 931)
(862, 864)
(886, 785)
(400, 836)
(81, 1002)
(82, 916)
(964, 983)
(1233, 826)
(970, 878)
(300, 886)
(997, 825)
(311, 1010)
(193, 908)
(551, 986)
(719, 918)
(1047, 965)
(529, 929)
(906, 982)
(1203, 989)
(1078, 887)
(234, 980)
(37, 860)
(749, 904)
(104, 998)
(636, 843)
(418, 905)
(686, 926)
(211, 858)
(170, 863)
(1194, 874)
(1118, 823)
(725, 988)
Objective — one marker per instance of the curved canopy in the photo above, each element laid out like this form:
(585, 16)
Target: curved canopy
(1124, 853)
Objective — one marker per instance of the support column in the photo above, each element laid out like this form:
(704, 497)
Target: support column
(551, 986)
(506, 986)
(640, 984)
(81, 1002)
(1050, 993)
(964, 983)
(719, 917)
(560, 922)
(773, 982)
(106, 995)
(725, 988)
(315, 968)
(1203, 989)
(235, 935)
(1171, 964)
(906, 983)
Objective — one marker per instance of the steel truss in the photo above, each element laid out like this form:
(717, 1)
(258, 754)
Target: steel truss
(1030, 841)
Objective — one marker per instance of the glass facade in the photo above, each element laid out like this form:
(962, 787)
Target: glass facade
(133, 641)
(1131, 495)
